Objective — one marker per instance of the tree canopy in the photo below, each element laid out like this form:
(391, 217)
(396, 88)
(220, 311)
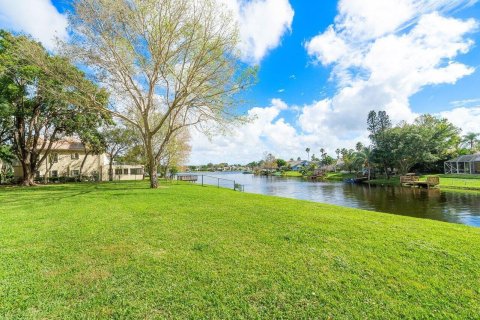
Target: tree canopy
(38, 109)
(169, 64)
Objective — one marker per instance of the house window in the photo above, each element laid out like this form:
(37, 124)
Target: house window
(136, 171)
(118, 172)
(54, 157)
(54, 174)
(125, 171)
(37, 174)
(75, 156)
(75, 173)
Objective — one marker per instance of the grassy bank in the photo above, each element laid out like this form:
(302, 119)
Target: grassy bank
(339, 176)
(292, 174)
(185, 251)
(457, 182)
(331, 176)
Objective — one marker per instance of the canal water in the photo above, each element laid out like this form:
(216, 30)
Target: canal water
(457, 207)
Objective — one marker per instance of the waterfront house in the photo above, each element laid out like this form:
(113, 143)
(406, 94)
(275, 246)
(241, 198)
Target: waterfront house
(298, 165)
(467, 164)
(65, 161)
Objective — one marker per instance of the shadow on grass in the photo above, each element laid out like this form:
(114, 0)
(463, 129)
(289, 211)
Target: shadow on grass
(15, 195)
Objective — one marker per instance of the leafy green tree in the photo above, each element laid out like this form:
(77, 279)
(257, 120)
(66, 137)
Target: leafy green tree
(117, 141)
(348, 158)
(40, 108)
(471, 140)
(281, 163)
(378, 126)
(427, 140)
(94, 143)
(364, 159)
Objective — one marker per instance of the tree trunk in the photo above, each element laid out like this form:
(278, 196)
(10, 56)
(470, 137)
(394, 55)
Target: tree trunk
(152, 170)
(28, 176)
(82, 165)
(152, 163)
(110, 169)
(385, 167)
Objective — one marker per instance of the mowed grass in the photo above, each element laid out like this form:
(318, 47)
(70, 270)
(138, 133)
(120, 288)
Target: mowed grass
(292, 174)
(450, 181)
(471, 182)
(190, 252)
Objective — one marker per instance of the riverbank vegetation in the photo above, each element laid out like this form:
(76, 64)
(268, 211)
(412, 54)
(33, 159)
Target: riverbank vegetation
(459, 182)
(126, 252)
(422, 147)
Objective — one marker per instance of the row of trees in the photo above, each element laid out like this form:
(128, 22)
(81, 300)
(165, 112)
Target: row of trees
(423, 145)
(158, 67)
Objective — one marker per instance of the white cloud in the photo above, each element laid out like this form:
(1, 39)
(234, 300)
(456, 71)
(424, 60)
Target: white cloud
(467, 119)
(262, 25)
(465, 102)
(381, 54)
(269, 132)
(384, 52)
(39, 18)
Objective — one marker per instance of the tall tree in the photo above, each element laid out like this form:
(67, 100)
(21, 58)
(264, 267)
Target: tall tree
(270, 162)
(308, 153)
(471, 139)
(170, 64)
(348, 158)
(42, 109)
(378, 125)
(364, 159)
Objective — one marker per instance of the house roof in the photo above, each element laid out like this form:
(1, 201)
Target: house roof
(296, 163)
(67, 144)
(467, 158)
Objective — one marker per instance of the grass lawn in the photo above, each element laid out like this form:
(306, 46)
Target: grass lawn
(291, 174)
(466, 182)
(339, 176)
(186, 251)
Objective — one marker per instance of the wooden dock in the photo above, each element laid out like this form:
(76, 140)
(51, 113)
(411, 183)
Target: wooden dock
(189, 178)
(414, 181)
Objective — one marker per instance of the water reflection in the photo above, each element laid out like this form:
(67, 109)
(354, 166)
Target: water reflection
(432, 204)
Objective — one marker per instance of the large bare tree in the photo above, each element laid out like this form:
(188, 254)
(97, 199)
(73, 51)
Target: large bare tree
(168, 64)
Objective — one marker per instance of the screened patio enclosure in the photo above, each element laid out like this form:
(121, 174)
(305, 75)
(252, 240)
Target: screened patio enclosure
(468, 164)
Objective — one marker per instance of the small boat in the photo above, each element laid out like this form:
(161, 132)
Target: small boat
(247, 172)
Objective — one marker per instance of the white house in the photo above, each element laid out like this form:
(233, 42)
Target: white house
(65, 161)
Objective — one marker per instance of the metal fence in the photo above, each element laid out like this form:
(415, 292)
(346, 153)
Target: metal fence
(210, 180)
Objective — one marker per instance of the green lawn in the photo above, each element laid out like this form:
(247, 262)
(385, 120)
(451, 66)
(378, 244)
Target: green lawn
(460, 182)
(190, 252)
(291, 174)
(339, 176)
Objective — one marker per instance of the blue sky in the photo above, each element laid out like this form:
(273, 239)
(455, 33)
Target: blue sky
(325, 64)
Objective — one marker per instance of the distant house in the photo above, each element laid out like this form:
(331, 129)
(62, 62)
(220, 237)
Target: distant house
(298, 165)
(65, 161)
(467, 164)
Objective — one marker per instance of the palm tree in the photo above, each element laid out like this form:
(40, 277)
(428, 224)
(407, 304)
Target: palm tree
(471, 139)
(308, 153)
(359, 146)
(348, 157)
(364, 158)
